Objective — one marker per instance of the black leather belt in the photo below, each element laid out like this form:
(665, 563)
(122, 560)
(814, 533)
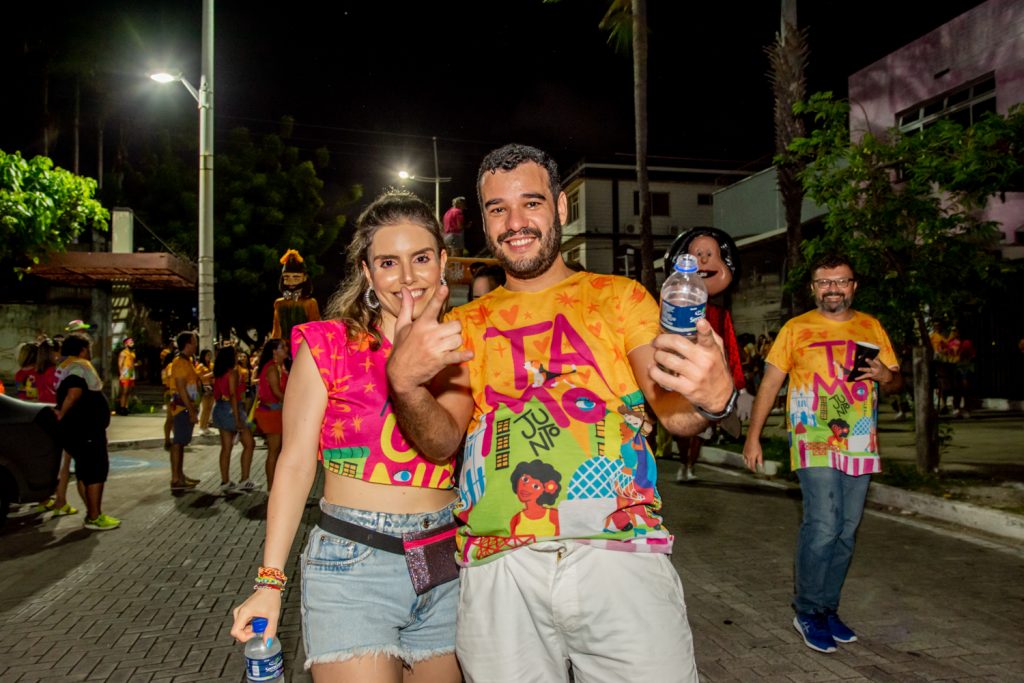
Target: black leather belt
(360, 534)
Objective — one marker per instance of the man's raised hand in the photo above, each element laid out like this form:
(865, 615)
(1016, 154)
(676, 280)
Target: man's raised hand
(423, 347)
(696, 369)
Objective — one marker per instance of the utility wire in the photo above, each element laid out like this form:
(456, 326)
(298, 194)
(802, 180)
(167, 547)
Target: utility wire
(164, 244)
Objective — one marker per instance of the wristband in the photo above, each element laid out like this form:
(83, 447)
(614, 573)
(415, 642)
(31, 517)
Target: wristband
(270, 577)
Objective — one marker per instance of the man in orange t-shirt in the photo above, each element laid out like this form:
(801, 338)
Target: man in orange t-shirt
(832, 413)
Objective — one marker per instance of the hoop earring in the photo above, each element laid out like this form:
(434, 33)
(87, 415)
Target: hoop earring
(370, 297)
(444, 283)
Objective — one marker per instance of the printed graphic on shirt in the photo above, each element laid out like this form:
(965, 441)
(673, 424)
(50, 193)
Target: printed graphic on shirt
(360, 437)
(183, 369)
(832, 422)
(556, 447)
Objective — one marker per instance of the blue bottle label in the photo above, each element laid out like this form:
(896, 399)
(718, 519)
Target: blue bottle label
(681, 319)
(264, 669)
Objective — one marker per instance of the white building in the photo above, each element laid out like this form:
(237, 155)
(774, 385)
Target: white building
(602, 232)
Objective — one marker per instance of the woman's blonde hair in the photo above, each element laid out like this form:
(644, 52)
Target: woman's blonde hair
(348, 303)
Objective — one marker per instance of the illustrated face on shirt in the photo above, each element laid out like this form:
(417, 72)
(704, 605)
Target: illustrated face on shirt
(839, 429)
(529, 489)
(717, 275)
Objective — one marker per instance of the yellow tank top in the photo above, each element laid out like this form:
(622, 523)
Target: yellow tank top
(540, 528)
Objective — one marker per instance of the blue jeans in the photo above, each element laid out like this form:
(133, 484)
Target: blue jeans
(833, 507)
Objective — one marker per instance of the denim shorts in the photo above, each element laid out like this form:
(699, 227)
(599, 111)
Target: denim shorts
(183, 427)
(222, 417)
(357, 600)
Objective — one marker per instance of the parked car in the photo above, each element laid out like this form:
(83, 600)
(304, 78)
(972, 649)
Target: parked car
(29, 452)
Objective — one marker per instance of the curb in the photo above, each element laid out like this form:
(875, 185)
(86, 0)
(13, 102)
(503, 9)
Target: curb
(990, 521)
(720, 456)
(156, 442)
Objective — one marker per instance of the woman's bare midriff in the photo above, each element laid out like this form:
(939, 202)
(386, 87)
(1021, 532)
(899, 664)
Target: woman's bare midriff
(362, 495)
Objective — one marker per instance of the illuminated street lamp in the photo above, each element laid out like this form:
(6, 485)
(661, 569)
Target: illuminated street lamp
(436, 179)
(204, 98)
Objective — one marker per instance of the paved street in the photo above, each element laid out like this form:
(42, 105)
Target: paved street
(150, 601)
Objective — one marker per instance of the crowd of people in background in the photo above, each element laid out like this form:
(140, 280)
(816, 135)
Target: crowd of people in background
(239, 396)
(58, 370)
(753, 351)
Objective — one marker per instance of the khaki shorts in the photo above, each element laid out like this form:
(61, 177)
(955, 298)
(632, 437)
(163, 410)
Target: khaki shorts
(616, 615)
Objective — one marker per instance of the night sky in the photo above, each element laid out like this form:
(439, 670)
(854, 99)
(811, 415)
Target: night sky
(373, 81)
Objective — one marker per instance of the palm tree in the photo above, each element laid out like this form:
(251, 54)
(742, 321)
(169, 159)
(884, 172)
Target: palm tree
(626, 23)
(788, 59)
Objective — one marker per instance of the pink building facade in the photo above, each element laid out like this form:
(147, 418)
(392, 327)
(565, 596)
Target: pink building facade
(964, 68)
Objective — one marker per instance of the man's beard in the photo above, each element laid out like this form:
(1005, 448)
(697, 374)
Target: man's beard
(834, 306)
(533, 266)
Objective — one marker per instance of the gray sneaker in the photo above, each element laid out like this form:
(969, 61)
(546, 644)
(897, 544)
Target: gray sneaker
(246, 486)
(227, 487)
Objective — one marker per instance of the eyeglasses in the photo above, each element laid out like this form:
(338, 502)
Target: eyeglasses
(841, 282)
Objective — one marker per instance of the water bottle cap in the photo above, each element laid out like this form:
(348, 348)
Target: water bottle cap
(686, 263)
(259, 625)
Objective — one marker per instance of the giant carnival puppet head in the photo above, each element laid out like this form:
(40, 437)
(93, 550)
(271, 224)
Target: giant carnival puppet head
(716, 253)
(294, 282)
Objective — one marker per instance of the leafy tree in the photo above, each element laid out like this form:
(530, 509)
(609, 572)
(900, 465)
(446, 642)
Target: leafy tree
(268, 197)
(42, 209)
(904, 208)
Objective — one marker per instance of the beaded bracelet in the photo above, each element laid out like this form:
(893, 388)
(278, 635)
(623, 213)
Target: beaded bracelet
(269, 577)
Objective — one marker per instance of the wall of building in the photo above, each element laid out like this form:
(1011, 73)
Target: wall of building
(20, 323)
(590, 237)
(983, 40)
(753, 206)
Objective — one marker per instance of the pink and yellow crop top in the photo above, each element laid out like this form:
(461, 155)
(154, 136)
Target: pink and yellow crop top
(360, 436)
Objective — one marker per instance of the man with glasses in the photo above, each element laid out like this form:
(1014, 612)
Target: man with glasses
(829, 387)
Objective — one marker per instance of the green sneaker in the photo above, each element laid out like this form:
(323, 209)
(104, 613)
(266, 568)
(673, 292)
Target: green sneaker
(65, 510)
(102, 523)
(44, 507)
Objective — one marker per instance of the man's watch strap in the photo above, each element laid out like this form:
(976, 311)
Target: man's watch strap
(728, 410)
(726, 419)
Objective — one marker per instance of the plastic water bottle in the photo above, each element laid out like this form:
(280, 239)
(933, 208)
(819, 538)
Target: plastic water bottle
(684, 297)
(262, 663)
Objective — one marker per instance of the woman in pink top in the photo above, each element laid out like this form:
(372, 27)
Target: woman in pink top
(25, 378)
(366, 614)
(46, 371)
(229, 418)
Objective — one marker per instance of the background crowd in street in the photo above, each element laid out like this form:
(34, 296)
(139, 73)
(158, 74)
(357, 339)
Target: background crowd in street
(237, 395)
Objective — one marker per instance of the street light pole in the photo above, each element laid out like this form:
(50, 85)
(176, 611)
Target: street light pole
(204, 98)
(437, 180)
(437, 186)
